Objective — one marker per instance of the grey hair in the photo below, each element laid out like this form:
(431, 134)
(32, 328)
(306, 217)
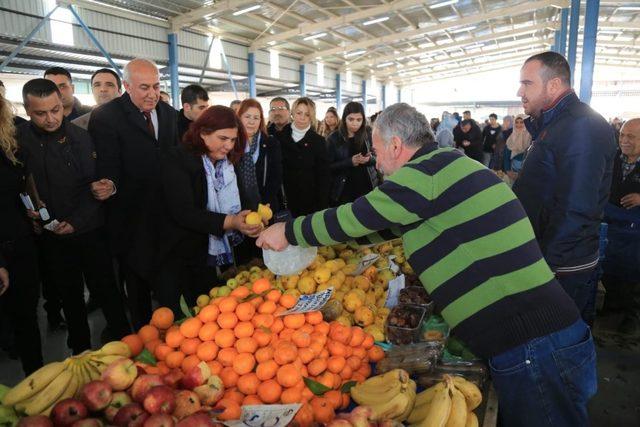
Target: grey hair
(126, 71)
(405, 122)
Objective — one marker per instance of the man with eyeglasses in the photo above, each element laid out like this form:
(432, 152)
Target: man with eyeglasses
(279, 115)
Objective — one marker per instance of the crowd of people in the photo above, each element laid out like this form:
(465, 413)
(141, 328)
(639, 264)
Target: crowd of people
(135, 200)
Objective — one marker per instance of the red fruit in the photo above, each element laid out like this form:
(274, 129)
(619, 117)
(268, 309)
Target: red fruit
(131, 415)
(160, 399)
(34, 421)
(143, 384)
(96, 395)
(67, 412)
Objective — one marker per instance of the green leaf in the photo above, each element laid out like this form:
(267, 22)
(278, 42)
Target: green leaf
(252, 295)
(316, 388)
(146, 357)
(346, 387)
(185, 307)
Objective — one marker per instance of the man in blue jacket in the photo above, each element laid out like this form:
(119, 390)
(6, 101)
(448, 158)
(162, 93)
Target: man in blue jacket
(565, 181)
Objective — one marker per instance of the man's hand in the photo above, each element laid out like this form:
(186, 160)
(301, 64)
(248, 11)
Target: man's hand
(63, 228)
(466, 143)
(34, 215)
(631, 200)
(4, 280)
(273, 238)
(102, 189)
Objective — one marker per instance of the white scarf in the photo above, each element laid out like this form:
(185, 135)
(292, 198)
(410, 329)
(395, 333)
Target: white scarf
(298, 134)
(518, 141)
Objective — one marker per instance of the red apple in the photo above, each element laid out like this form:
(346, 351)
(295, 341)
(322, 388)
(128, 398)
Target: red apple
(143, 384)
(173, 378)
(160, 420)
(187, 403)
(88, 422)
(160, 399)
(118, 400)
(196, 420)
(131, 415)
(67, 412)
(120, 374)
(210, 392)
(196, 376)
(34, 421)
(96, 395)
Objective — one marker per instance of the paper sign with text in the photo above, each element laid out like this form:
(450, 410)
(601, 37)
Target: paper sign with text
(311, 302)
(365, 262)
(395, 286)
(265, 416)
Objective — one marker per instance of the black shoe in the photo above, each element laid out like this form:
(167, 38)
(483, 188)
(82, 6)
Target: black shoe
(629, 326)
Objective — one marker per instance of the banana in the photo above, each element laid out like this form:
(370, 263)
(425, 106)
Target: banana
(439, 409)
(472, 420)
(418, 413)
(116, 348)
(472, 393)
(49, 395)
(374, 393)
(393, 408)
(101, 362)
(71, 390)
(94, 373)
(458, 414)
(411, 393)
(34, 383)
(427, 395)
(384, 379)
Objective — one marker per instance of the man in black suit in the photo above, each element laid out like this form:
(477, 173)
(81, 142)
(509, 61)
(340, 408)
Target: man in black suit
(130, 133)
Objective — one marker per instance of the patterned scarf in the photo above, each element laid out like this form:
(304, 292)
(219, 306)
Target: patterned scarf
(249, 193)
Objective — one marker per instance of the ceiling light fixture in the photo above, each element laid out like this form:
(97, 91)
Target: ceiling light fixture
(354, 53)
(375, 21)
(462, 30)
(443, 4)
(247, 9)
(315, 36)
(629, 8)
(384, 64)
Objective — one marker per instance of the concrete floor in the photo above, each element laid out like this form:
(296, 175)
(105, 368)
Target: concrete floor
(617, 403)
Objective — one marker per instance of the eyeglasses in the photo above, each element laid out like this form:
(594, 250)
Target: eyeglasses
(278, 108)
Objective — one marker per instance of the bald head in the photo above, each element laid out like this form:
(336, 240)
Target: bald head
(630, 139)
(142, 82)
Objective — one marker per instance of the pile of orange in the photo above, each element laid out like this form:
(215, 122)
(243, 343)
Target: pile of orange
(260, 355)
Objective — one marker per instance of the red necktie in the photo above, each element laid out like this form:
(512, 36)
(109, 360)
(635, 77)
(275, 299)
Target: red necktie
(152, 130)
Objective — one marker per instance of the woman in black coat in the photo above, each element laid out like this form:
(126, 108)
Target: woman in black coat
(351, 162)
(203, 218)
(305, 163)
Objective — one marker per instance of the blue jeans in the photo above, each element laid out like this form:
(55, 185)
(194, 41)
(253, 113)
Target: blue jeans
(547, 381)
(582, 288)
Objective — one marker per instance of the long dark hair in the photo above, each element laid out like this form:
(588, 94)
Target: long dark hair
(361, 135)
(213, 119)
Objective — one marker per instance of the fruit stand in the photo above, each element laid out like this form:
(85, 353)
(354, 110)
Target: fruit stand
(351, 340)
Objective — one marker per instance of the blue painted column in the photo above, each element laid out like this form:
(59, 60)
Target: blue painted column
(556, 41)
(338, 93)
(574, 22)
(364, 94)
(384, 96)
(589, 49)
(252, 75)
(173, 69)
(564, 24)
(303, 80)
(399, 94)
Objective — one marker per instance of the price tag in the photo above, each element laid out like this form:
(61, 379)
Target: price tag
(265, 416)
(392, 265)
(311, 302)
(365, 262)
(395, 286)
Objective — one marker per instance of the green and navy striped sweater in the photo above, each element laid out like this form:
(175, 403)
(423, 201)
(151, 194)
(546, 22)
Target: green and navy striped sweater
(467, 237)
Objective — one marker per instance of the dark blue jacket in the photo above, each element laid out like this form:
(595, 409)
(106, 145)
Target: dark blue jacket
(565, 181)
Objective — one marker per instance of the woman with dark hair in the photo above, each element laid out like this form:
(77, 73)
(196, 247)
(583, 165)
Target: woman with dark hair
(203, 215)
(350, 159)
(330, 122)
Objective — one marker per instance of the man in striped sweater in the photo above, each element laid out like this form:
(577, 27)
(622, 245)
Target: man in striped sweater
(468, 238)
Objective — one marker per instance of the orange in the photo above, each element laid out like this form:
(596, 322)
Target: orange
(323, 411)
(263, 320)
(354, 362)
(229, 377)
(208, 330)
(359, 352)
(340, 333)
(148, 333)
(244, 363)
(335, 397)
(357, 336)
(234, 395)
(263, 354)
(189, 363)
(174, 359)
(246, 345)
(336, 348)
(151, 345)
(252, 399)
(286, 352)
(294, 321)
(286, 334)
(248, 383)
(316, 347)
(190, 345)
(245, 311)
(304, 416)
(162, 351)
(209, 313)
(135, 344)
(225, 338)
(267, 307)
(227, 355)
(365, 370)
(279, 310)
(324, 354)
(336, 364)
(162, 318)
(262, 336)
(306, 355)
(317, 366)
(313, 317)
(227, 320)
(269, 391)
(230, 409)
(301, 339)
(243, 329)
(288, 375)
(322, 327)
(345, 401)
(368, 341)
(375, 354)
(163, 368)
(207, 351)
(307, 328)
(240, 292)
(190, 327)
(346, 372)
(228, 304)
(287, 301)
(174, 338)
(291, 395)
(277, 326)
(266, 370)
(260, 286)
(255, 302)
(215, 367)
(273, 295)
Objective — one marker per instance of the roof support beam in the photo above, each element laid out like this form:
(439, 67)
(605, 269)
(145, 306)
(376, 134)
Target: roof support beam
(197, 14)
(472, 19)
(608, 25)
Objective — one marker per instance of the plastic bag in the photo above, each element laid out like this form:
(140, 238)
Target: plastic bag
(292, 260)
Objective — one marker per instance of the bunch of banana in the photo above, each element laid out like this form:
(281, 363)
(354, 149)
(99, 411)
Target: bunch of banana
(447, 404)
(40, 391)
(391, 396)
